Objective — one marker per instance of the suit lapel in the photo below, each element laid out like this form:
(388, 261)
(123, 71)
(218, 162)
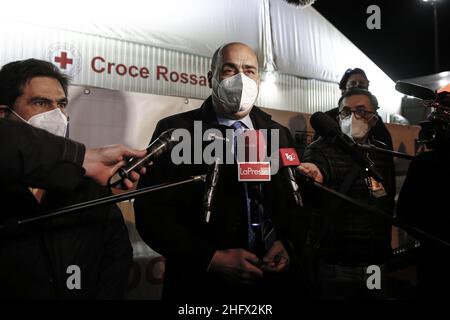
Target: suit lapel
(260, 119)
(206, 113)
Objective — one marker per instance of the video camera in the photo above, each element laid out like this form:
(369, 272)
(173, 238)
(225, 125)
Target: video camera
(435, 131)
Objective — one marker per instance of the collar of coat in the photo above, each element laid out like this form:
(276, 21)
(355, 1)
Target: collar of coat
(260, 119)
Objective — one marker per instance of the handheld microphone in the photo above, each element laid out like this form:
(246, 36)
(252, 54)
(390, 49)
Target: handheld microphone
(154, 150)
(212, 179)
(289, 160)
(328, 128)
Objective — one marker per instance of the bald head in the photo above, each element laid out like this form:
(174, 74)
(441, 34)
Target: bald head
(229, 60)
(237, 56)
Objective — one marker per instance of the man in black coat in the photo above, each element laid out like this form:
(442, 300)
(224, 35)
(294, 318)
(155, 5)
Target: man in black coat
(424, 203)
(86, 255)
(38, 158)
(347, 239)
(214, 260)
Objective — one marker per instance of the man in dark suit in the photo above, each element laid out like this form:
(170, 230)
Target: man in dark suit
(215, 260)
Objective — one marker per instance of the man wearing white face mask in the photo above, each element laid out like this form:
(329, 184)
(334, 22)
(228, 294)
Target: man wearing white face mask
(215, 260)
(347, 239)
(35, 262)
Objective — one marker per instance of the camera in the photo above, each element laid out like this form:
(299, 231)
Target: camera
(435, 132)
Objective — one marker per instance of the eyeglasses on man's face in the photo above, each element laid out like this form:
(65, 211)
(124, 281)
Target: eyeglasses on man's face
(359, 113)
(363, 84)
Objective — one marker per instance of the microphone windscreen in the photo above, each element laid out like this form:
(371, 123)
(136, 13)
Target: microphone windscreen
(324, 125)
(415, 90)
(301, 3)
(255, 145)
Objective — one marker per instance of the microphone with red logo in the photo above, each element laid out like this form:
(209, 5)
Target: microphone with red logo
(289, 160)
(251, 152)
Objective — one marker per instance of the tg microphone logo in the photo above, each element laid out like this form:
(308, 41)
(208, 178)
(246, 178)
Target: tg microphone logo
(290, 156)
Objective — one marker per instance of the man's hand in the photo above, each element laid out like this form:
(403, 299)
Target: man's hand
(101, 163)
(237, 265)
(311, 170)
(276, 259)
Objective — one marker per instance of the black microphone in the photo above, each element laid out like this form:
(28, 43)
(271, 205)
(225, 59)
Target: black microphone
(411, 89)
(289, 160)
(300, 3)
(328, 128)
(212, 178)
(154, 150)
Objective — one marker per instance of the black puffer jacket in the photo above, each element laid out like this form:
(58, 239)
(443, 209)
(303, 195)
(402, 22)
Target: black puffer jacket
(344, 233)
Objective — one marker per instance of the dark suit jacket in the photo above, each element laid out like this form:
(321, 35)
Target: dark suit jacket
(172, 221)
(38, 158)
(34, 258)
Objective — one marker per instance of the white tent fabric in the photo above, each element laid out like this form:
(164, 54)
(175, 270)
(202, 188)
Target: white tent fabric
(196, 26)
(303, 43)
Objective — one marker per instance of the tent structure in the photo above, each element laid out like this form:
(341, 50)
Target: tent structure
(164, 47)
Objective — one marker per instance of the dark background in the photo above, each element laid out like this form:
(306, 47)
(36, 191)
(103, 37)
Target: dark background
(404, 47)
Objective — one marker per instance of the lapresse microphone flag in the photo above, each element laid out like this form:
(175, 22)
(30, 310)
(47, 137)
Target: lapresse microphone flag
(251, 153)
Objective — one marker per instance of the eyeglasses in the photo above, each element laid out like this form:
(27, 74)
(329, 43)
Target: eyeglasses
(359, 114)
(363, 84)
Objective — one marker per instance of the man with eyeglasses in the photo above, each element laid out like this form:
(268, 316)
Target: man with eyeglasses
(347, 239)
(357, 78)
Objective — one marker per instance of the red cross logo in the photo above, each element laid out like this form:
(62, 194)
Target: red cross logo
(63, 60)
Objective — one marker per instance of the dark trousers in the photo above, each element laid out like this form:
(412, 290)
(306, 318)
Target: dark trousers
(340, 282)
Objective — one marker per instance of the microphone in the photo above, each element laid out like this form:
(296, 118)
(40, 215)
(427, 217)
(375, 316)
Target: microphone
(251, 146)
(154, 150)
(328, 128)
(212, 178)
(411, 89)
(300, 3)
(289, 160)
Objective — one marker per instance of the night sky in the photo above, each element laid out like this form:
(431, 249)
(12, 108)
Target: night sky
(404, 47)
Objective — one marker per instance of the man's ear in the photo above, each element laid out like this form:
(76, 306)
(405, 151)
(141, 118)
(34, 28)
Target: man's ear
(373, 121)
(210, 75)
(5, 111)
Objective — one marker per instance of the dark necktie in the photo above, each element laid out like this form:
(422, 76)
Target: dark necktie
(239, 128)
(260, 229)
